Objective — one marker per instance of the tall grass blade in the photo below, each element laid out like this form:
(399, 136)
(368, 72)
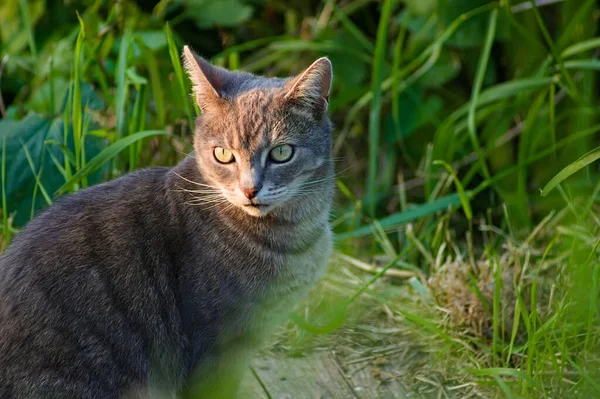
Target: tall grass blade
(482, 67)
(375, 112)
(581, 47)
(107, 154)
(155, 82)
(36, 175)
(5, 226)
(397, 219)
(175, 60)
(77, 112)
(122, 86)
(464, 198)
(28, 26)
(572, 168)
(557, 56)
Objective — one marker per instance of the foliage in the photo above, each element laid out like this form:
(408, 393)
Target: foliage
(451, 115)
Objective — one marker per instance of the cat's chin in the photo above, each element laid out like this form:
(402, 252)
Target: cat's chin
(257, 210)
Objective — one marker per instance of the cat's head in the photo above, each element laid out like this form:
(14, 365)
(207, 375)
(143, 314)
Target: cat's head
(261, 142)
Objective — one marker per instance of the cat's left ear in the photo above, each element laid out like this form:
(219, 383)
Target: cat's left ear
(311, 88)
(208, 80)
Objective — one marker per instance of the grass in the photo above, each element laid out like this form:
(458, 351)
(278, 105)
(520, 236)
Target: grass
(467, 216)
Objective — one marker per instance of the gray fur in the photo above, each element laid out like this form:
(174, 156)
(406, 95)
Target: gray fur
(163, 281)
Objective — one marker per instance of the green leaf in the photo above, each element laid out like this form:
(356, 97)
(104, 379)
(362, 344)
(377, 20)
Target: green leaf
(581, 47)
(398, 219)
(174, 54)
(572, 168)
(120, 78)
(375, 111)
(153, 39)
(464, 198)
(210, 13)
(33, 133)
(107, 154)
(501, 371)
(446, 68)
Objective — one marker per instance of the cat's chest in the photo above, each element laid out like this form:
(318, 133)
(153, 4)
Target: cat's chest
(299, 271)
(269, 301)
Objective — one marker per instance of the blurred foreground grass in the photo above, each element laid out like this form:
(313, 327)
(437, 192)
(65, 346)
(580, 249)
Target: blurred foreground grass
(452, 117)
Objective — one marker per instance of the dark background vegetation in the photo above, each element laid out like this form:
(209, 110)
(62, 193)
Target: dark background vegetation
(451, 118)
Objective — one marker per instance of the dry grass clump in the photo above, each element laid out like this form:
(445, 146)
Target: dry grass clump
(466, 292)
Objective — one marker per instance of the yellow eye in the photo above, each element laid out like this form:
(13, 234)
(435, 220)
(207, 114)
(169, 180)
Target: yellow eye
(223, 155)
(282, 153)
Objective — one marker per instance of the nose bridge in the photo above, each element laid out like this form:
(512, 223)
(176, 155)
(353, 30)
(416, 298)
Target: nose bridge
(251, 175)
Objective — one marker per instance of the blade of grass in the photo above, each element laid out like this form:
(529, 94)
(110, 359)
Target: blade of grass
(375, 111)
(572, 168)
(36, 174)
(77, 112)
(353, 29)
(587, 64)
(446, 134)
(121, 79)
(5, 226)
(497, 316)
(481, 69)
(434, 47)
(575, 23)
(107, 154)
(155, 82)
(532, 338)
(175, 60)
(464, 199)
(28, 26)
(508, 393)
(412, 214)
(538, 155)
(552, 117)
(515, 330)
(581, 47)
(397, 60)
(66, 125)
(557, 57)
(501, 371)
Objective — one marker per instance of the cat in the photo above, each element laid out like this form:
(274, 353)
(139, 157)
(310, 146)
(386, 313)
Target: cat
(161, 283)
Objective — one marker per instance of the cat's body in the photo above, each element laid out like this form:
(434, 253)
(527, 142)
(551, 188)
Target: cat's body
(139, 286)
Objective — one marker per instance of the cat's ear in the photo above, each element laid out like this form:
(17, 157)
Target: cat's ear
(311, 88)
(207, 79)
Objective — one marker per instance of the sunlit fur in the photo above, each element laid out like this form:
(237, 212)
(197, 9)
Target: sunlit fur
(163, 281)
(251, 115)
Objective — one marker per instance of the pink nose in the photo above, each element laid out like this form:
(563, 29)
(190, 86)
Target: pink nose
(250, 192)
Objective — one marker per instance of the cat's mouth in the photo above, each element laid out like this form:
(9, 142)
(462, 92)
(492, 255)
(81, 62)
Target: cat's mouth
(257, 206)
(257, 209)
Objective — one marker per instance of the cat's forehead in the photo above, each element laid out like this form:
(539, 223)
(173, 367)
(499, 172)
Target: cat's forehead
(253, 122)
(258, 105)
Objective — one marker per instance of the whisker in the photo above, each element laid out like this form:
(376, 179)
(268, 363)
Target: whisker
(206, 200)
(194, 182)
(183, 190)
(211, 205)
(332, 177)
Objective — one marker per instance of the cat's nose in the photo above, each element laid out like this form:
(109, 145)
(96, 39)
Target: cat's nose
(250, 192)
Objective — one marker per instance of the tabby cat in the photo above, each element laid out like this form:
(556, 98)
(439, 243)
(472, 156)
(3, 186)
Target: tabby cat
(160, 283)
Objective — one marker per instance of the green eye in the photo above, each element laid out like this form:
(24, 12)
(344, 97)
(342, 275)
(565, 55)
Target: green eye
(282, 153)
(223, 155)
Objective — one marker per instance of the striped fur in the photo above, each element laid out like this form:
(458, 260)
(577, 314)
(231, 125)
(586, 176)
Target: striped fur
(161, 283)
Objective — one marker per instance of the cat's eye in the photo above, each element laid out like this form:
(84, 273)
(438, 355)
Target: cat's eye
(282, 153)
(223, 155)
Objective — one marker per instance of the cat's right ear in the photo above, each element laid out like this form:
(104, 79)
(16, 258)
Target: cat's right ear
(207, 80)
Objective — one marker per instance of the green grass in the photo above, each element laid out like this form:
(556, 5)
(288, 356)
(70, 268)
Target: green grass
(467, 142)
